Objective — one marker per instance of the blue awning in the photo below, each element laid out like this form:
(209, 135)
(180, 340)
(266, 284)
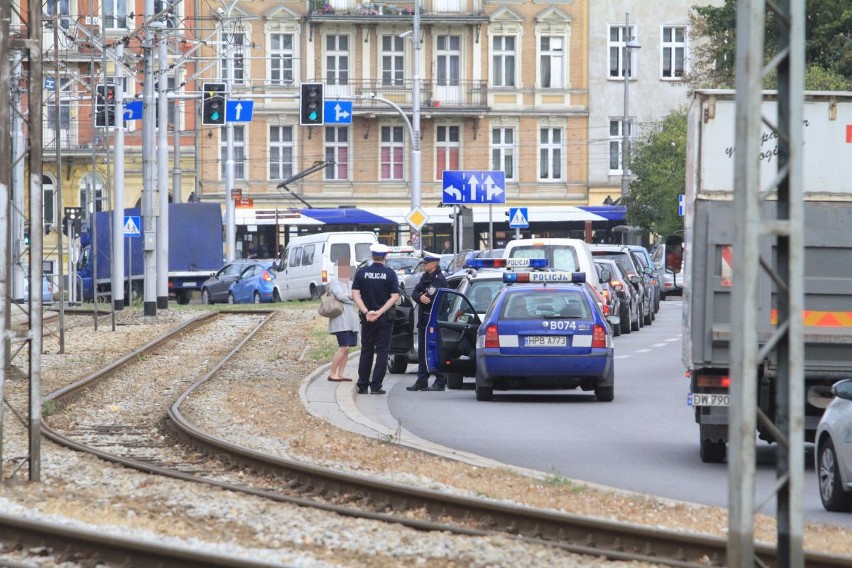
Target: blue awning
(610, 212)
(346, 216)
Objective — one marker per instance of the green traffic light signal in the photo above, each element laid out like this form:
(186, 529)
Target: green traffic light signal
(311, 103)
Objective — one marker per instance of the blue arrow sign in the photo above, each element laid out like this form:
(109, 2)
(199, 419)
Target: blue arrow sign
(133, 110)
(473, 187)
(131, 226)
(238, 111)
(337, 112)
(518, 218)
(681, 201)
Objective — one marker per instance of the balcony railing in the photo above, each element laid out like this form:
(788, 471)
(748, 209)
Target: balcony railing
(429, 8)
(461, 95)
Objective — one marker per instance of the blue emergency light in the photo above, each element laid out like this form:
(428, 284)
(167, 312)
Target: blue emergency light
(508, 263)
(544, 277)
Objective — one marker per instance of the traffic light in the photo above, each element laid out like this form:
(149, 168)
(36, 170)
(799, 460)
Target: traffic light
(213, 105)
(71, 222)
(105, 105)
(311, 105)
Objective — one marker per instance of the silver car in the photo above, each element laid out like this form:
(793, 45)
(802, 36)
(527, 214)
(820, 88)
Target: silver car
(833, 446)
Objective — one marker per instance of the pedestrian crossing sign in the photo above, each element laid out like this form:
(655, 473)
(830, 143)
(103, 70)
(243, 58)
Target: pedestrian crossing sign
(518, 218)
(131, 226)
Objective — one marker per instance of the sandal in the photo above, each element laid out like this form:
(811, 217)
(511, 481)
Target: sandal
(337, 380)
(345, 379)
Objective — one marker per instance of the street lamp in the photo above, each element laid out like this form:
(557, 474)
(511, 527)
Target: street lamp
(414, 36)
(630, 43)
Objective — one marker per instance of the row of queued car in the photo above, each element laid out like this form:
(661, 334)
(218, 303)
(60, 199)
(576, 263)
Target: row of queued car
(243, 281)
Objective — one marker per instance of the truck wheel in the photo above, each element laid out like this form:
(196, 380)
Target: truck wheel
(205, 297)
(231, 299)
(314, 293)
(183, 297)
(455, 381)
(605, 394)
(484, 393)
(397, 364)
(834, 498)
(712, 451)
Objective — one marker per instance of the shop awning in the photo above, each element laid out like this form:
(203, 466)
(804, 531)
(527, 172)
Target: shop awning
(346, 216)
(609, 212)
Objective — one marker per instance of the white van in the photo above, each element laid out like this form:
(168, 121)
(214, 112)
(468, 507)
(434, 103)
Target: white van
(306, 266)
(572, 255)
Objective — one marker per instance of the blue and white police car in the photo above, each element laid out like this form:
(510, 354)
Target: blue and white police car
(544, 330)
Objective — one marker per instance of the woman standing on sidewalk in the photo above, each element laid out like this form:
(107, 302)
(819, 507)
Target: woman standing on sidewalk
(346, 325)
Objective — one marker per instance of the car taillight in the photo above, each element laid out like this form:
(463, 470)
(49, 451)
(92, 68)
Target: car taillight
(266, 277)
(325, 276)
(599, 337)
(617, 285)
(492, 339)
(713, 381)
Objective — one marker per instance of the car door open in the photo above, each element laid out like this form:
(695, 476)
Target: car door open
(451, 334)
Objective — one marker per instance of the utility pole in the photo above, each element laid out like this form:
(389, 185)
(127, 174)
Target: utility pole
(148, 202)
(163, 168)
(117, 281)
(230, 206)
(416, 164)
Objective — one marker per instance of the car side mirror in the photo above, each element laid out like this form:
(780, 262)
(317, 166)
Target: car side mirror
(843, 389)
(606, 275)
(634, 278)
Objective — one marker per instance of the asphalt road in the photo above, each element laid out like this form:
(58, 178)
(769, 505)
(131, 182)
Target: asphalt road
(646, 440)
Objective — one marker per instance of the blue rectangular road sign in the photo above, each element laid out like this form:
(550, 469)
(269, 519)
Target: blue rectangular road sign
(473, 187)
(238, 110)
(518, 218)
(337, 112)
(133, 110)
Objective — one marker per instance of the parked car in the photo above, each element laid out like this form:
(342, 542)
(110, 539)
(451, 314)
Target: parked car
(833, 449)
(410, 280)
(630, 305)
(668, 258)
(611, 298)
(255, 284)
(216, 288)
(571, 255)
(650, 269)
(47, 287)
(544, 330)
(631, 267)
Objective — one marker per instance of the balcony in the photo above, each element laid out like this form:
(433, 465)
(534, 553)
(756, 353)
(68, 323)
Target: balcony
(431, 11)
(463, 97)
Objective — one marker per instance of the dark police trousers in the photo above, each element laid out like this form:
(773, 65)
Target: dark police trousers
(422, 370)
(375, 340)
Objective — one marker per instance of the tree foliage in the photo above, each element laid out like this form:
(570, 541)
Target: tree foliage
(659, 164)
(828, 45)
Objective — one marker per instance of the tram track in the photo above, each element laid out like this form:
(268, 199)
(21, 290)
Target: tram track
(225, 464)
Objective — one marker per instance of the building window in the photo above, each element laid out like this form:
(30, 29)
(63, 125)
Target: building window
(550, 154)
(617, 46)
(615, 139)
(447, 149)
(503, 61)
(337, 152)
(674, 52)
(280, 152)
(50, 7)
(239, 151)
(281, 56)
(58, 126)
(503, 151)
(115, 14)
(235, 44)
(393, 60)
(391, 153)
(170, 18)
(552, 60)
(448, 57)
(49, 201)
(337, 59)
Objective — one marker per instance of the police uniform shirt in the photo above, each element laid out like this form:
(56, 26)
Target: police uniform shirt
(434, 280)
(376, 283)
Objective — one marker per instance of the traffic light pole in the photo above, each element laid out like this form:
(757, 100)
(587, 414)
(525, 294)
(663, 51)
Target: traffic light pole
(230, 206)
(117, 280)
(149, 237)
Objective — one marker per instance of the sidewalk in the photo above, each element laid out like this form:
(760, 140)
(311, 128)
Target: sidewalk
(369, 415)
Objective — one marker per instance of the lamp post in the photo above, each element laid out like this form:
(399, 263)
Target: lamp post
(630, 43)
(415, 124)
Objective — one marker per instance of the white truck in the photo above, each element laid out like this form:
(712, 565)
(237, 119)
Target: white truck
(709, 236)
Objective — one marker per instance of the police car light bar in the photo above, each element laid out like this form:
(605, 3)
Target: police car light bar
(544, 277)
(508, 263)
(401, 249)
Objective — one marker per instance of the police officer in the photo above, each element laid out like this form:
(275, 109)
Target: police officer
(423, 294)
(375, 291)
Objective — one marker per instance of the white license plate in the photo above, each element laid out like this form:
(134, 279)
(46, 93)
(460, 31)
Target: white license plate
(545, 341)
(708, 399)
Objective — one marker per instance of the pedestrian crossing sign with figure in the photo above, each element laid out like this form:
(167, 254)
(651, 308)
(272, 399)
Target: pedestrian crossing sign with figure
(518, 218)
(131, 226)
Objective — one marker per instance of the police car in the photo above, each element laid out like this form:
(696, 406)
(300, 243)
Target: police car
(544, 330)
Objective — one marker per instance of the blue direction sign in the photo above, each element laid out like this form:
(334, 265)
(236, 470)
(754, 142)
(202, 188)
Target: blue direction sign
(133, 110)
(473, 187)
(337, 112)
(238, 111)
(131, 226)
(681, 201)
(49, 84)
(518, 218)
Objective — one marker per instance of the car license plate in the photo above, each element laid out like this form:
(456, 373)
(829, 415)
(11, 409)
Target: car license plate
(545, 341)
(708, 399)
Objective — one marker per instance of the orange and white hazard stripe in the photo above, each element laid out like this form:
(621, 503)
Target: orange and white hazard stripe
(727, 266)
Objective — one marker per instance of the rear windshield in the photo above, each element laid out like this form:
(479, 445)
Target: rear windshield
(362, 251)
(552, 304)
(624, 262)
(559, 257)
(482, 292)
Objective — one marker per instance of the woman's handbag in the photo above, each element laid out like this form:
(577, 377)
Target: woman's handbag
(330, 306)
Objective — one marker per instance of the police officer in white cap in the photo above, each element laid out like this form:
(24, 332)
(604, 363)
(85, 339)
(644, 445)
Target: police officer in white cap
(375, 291)
(423, 293)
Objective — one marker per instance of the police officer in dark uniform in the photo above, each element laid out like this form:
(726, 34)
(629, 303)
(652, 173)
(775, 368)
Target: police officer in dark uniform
(423, 294)
(375, 291)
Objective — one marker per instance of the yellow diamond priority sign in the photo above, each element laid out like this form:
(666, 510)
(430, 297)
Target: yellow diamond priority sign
(417, 218)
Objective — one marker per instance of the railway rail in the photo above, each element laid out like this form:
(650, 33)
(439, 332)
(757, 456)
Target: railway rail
(150, 446)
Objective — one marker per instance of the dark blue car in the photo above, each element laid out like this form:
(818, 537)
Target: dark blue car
(544, 330)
